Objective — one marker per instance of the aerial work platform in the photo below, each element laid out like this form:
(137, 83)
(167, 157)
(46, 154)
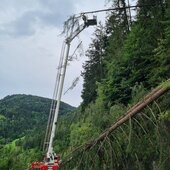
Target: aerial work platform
(51, 160)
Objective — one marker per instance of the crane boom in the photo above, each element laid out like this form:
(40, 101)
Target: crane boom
(51, 158)
(68, 40)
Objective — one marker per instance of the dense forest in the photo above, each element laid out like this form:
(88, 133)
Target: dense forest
(127, 58)
(23, 120)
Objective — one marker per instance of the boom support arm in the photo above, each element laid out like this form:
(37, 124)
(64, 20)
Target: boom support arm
(48, 143)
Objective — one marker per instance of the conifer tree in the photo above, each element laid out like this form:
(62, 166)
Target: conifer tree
(93, 68)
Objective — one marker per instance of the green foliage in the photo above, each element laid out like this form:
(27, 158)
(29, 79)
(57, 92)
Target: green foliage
(23, 121)
(80, 133)
(165, 116)
(134, 61)
(93, 68)
(124, 63)
(23, 114)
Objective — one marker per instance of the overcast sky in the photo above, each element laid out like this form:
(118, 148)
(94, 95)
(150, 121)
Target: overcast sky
(30, 46)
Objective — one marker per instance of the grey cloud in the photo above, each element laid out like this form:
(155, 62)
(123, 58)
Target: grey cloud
(49, 13)
(57, 11)
(23, 25)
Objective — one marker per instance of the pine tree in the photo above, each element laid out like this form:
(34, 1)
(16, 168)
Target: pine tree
(132, 57)
(93, 68)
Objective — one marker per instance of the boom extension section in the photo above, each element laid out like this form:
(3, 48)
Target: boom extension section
(51, 160)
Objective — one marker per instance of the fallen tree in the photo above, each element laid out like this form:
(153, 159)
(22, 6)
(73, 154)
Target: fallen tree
(148, 99)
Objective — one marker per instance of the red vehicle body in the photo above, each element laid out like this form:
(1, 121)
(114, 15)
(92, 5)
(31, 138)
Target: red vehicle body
(44, 166)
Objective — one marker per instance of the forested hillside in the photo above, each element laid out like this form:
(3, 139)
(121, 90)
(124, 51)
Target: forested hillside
(127, 58)
(23, 119)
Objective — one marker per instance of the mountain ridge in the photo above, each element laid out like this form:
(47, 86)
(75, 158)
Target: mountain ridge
(21, 113)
